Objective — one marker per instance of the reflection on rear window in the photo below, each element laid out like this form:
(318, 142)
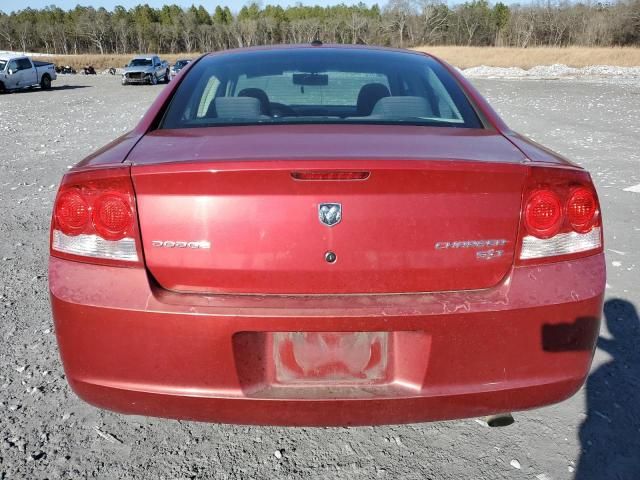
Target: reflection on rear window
(319, 85)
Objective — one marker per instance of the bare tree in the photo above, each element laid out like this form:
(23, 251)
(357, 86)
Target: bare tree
(23, 30)
(473, 18)
(96, 26)
(189, 26)
(398, 13)
(402, 23)
(6, 30)
(357, 23)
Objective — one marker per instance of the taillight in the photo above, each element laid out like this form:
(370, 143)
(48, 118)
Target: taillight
(560, 216)
(581, 209)
(71, 213)
(112, 216)
(334, 175)
(94, 218)
(543, 213)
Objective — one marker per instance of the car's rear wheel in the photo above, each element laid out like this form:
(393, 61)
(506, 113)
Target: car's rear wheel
(45, 82)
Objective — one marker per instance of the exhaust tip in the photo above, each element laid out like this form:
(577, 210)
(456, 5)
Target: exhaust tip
(499, 420)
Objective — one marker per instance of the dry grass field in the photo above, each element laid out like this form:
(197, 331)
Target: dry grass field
(463, 57)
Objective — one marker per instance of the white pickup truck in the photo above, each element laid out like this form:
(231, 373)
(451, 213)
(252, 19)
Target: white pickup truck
(18, 72)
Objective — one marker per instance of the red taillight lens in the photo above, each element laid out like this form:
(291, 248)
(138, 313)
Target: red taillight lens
(581, 209)
(543, 213)
(72, 213)
(112, 216)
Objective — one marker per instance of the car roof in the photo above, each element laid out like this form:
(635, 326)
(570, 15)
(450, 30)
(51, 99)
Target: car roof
(323, 46)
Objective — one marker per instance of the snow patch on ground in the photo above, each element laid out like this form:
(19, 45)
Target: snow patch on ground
(552, 71)
(119, 71)
(29, 54)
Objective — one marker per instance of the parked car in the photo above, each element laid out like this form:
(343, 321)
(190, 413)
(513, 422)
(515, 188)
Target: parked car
(146, 69)
(66, 69)
(179, 65)
(19, 72)
(325, 235)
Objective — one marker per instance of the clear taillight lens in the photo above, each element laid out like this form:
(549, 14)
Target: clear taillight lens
(94, 218)
(94, 246)
(561, 244)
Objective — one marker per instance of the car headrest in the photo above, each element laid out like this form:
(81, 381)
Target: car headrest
(369, 95)
(237, 107)
(265, 105)
(402, 107)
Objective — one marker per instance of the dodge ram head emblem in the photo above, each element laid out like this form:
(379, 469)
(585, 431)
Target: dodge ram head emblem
(330, 213)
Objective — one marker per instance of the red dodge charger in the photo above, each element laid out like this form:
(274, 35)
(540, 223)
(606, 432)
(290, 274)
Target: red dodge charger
(325, 235)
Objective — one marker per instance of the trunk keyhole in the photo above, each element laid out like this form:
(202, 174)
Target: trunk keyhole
(330, 257)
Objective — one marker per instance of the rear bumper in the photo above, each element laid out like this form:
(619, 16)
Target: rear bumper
(131, 347)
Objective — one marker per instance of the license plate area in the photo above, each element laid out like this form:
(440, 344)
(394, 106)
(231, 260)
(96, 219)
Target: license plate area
(331, 364)
(335, 358)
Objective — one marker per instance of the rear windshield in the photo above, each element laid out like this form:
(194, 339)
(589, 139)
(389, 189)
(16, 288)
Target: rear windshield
(318, 86)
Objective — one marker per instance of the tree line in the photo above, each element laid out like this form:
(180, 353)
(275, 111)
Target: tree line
(400, 23)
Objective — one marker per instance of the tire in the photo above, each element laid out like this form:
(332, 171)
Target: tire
(45, 82)
(167, 78)
(2, 89)
(153, 80)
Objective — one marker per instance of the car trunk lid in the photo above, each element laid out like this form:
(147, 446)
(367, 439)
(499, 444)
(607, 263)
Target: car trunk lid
(227, 213)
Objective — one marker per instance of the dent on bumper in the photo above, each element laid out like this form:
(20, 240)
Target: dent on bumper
(132, 347)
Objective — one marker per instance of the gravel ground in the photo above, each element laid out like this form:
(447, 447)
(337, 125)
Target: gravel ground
(553, 72)
(46, 432)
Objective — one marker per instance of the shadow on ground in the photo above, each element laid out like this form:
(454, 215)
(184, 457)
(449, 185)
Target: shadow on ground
(610, 435)
(52, 89)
